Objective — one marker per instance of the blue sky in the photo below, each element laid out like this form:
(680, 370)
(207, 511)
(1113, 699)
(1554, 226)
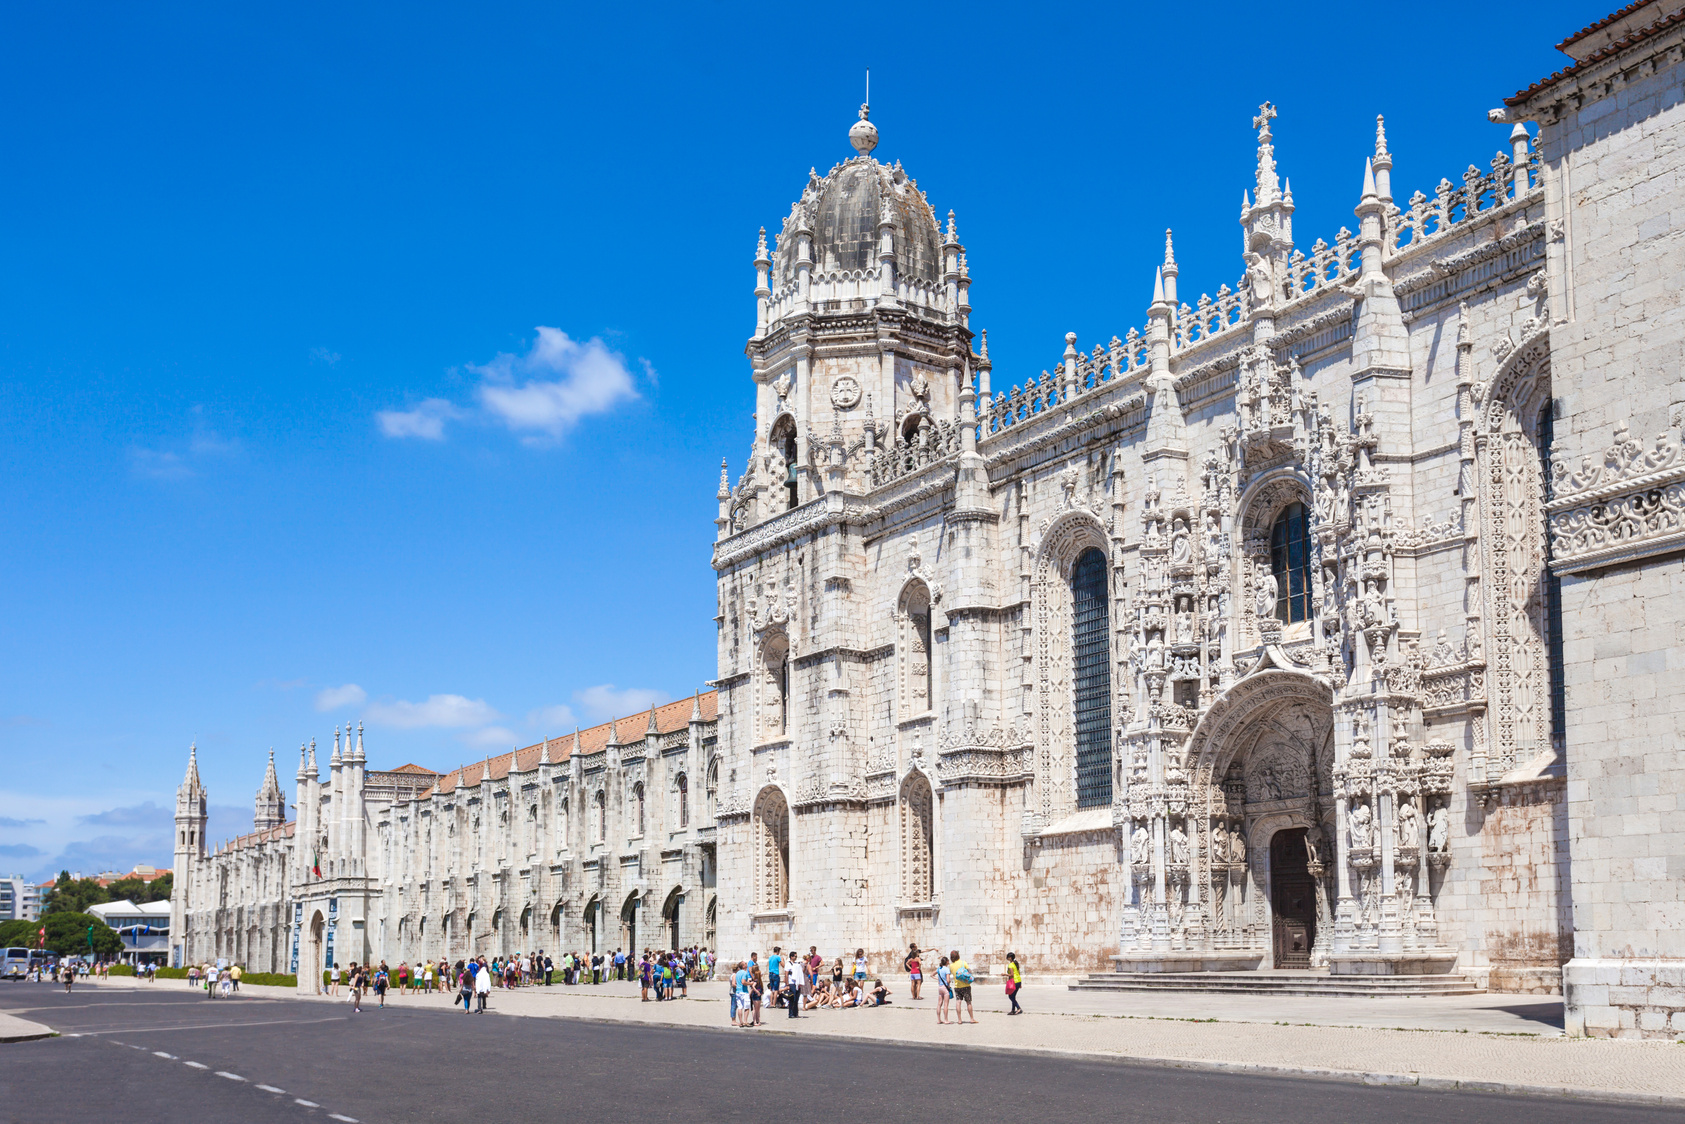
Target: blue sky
(377, 362)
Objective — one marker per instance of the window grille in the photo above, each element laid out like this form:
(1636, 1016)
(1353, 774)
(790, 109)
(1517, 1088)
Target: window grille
(1290, 562)
(1090, 643)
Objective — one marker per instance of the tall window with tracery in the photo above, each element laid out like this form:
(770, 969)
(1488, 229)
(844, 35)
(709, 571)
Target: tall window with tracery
(638, 808)
(1290, 563)
(1092, 679)
(683, 787)
(772, 828)
(918, 839)
(600, 809)
(919, 686)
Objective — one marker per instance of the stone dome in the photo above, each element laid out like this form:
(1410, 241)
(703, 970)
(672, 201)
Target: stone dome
(843, 210)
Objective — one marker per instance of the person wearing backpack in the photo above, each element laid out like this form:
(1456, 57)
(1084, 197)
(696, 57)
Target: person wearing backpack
(962, 986)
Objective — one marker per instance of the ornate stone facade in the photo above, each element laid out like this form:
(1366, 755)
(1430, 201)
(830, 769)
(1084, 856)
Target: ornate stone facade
(1329, 691)
(599, 840)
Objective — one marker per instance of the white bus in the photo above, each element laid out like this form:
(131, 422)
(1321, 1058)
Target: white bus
(14, 965)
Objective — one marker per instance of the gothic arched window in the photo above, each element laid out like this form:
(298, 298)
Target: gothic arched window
(683, 787)
(638, 809)
(919, 680)
(602, 816)
(1290, 563)
(775, 662)
(918, 842)
(711, 789)
(772, 839)
(1092, 679)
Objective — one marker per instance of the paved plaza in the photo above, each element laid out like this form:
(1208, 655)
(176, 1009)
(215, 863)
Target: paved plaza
(1462, 1043)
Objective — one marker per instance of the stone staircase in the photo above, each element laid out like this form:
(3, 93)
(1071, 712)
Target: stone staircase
(1314, 982)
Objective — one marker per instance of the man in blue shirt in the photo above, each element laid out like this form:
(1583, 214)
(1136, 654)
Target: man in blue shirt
(773, 964)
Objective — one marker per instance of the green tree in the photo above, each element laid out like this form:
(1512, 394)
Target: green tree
(67, 934)
(127, 890)
(160, 888)
(72, 895)
(15, 933)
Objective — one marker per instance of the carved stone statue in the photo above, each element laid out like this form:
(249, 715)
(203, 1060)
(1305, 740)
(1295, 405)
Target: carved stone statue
(1362, 828)
(1178, 846)
(1313, 843)
(1237, 846)
(1267, 592)
(1407, 824)
(1140, 845)
(1439, 827)
(1180, 550)
(1220, 842)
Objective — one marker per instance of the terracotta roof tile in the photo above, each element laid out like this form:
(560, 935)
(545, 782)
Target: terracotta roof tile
(1614, 48)
(669, 717)
(411, 768)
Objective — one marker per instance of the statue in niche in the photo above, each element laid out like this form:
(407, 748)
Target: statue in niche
(1258, 277)
(1267, 593)
(1406, 824)
(1219, 842)
(1237, 845)
(1373, 608)
(1313, 843)
(1362, 829)
(1439, 827)
(1140, 845)
(1178, 846)
(1185, 623)
(1155, 652)
(1360, 735)
(1181, 551)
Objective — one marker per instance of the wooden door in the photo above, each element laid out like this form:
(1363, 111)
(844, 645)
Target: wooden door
(1292, 899)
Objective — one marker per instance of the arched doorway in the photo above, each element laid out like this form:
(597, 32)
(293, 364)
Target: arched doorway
(313, 968)
(1292, 899)
(629, 924)
(670, 916)
(594, 923)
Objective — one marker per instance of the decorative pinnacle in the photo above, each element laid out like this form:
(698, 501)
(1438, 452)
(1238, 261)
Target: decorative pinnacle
(760, 248)
(1381, 136)
(953, 235)
(1169, 249)
(1267, 183)
(1369, 180)
(864, 135)
(1158, 286)
(983, 352)
(725, 483)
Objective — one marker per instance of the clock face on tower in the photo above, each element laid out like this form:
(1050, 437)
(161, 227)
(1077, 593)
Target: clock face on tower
(845, 392)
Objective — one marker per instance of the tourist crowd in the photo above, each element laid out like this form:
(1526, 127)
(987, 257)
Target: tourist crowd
(800, 983)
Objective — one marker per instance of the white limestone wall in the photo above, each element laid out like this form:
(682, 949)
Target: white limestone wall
(1617, 345)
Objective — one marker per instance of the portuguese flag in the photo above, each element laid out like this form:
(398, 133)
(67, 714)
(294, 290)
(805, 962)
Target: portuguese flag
(316, 863)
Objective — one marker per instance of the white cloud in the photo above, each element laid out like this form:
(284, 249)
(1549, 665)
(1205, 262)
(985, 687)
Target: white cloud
(558, 717)
(426, 421)
(332, 698)
(158, 464)
(323, 355)
(492, 738)
(565, 380)
(607, 701)
(438, 710)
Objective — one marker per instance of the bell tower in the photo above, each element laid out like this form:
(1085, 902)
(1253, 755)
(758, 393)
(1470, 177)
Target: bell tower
(190, 848)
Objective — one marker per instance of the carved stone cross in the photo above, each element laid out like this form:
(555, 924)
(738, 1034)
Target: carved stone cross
(1266, 112)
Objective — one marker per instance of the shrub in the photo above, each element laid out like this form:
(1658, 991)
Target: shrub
(122, 970)
(172, 973)
(268, 979)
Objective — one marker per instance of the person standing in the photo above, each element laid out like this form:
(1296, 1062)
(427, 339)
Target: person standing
(549, 968)
(1014, 982)
(773, 964)
(235, 973)
(915, 970)
(962, 987)
(465, 991)
(860, 967)
(944, 990)
(381, 981)
(482, 986)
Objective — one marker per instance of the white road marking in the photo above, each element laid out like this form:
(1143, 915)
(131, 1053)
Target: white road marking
(271, 1089)
(230, 1076)
(196, 1065)
(347, 1119)
(306, 1104)
(161, 1054)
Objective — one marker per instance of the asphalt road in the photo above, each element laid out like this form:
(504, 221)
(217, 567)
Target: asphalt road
(173, 1055)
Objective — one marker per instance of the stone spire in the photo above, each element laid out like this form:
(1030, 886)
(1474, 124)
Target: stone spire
(1269, 185)
(271, 808)
(653, 728)
(696, 706)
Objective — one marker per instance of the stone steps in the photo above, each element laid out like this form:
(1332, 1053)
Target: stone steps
(1309, 983)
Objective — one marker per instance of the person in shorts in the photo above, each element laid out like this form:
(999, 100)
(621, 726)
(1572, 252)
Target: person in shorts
(915, 968)
(962, 986)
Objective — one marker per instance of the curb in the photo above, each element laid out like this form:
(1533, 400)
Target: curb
(1346, 1076)
(29, 1036)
